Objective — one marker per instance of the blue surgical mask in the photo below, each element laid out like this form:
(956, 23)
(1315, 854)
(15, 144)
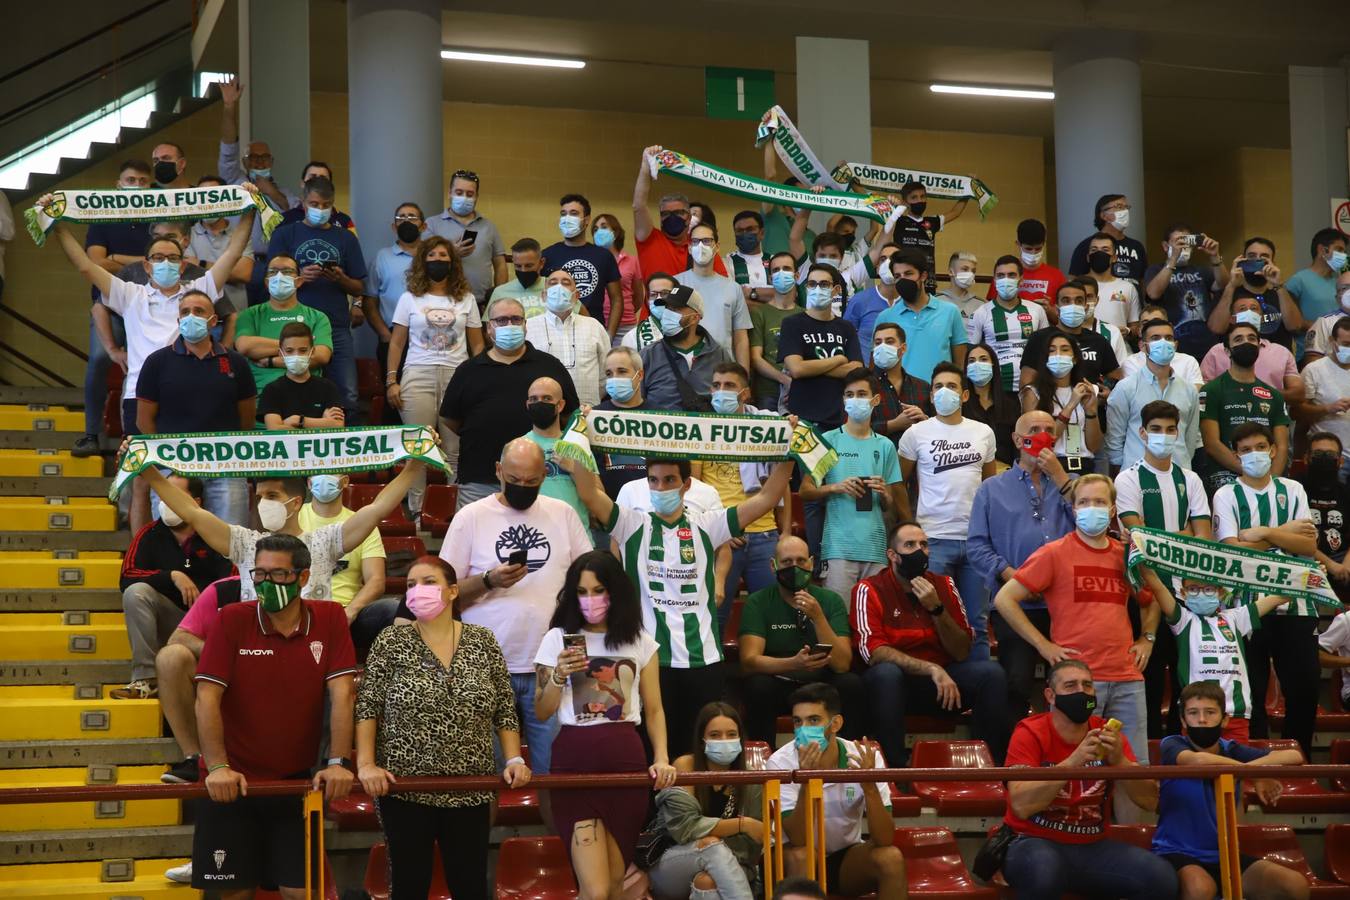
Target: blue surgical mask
(1005, 287)
(164, 274)
(317, 217)
(570, 226)
(1343, 355)
(1248, 317)
(1072, 316)
(281, 286)
(946, 401)
(784, 282)
(508, 337)
(258, 174)
(558, 299)
(193, 328)
(805, 734)
(461, 205)
(858, 409)
(620, 389)
(725, 402)
(672, 321)
(1255, 464)
(819, 297)
(723, 753)
(1092, 520)
(980, 373)
(1159, 444)
(604, 237)
(826, 261)
(666, 503)
(1202, 601)
(325, 488)
(885, 356)
(1059, 365)
(1161, 351)
(1336, 260)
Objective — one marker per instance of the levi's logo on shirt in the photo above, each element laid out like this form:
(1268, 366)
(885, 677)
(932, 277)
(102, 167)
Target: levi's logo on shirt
(1098, 584)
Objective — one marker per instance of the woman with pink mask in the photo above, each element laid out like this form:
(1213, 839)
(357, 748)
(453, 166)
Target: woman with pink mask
(598, 670)
(434, 695)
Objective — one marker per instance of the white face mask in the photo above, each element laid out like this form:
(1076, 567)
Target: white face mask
(1032, 260)
(168, 516)
(884, 272)
(1121, 219)
(963, 280)
(272, 514)
(702, 254)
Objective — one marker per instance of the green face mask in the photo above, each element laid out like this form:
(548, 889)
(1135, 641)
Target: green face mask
(275, 597)
(794, 578)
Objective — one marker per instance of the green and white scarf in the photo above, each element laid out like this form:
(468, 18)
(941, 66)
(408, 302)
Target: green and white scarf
(869, 206)
(885, 179)
(1237, 568)
(793, 150)
(685, 435)
(276, 454)
(158, 205)
(646, 333)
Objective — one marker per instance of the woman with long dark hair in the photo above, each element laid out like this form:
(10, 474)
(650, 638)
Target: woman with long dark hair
(1061, 389)
(433, 696)
(607, 232)
(598, 670)
(715, 830)
(989, 402)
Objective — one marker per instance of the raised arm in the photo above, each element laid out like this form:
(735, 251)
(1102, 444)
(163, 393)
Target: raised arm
(1161, 595)
(765, 499)
(240, 235)
(589, 490)
(642, 216)
(212, 530)
(797, 234)
(368, 518)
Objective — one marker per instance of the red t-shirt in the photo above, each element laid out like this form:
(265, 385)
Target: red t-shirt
(1078, 815)
(1038, 284)
(274, 685)
(658, 253)
(1086, 593)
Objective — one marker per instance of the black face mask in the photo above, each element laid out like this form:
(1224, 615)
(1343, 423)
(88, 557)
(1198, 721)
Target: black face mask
(917, 209)
(438, 269)
(408, 232)
(526, 278)
(793, 578)
(542, 415)
(912, 565)
(1099, 261)
(165, 171)
(520, 496)
(672, 225)
(1244, 355)
(909, 290)
(847, 240)
(1204, 737)
(1323, 466)
(1077, 707)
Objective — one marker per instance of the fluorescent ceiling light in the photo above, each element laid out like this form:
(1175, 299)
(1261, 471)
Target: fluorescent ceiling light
(1020, 93)
(513, 59)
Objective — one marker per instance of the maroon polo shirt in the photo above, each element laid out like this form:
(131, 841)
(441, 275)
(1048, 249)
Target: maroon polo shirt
(274, 684)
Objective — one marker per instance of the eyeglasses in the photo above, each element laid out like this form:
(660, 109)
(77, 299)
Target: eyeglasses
(276, 576)
(827, 284)
(682, 213)
(465, 174)
(291, 272)
(408, 217)
(658, 296)
(160, 257)
(503, 321)
(701, 242)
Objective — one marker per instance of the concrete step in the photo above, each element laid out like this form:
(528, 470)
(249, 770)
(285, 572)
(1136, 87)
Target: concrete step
(72, 599)
(90, 752)
(142, 879)
(54, 486)
(41, 417)
(48, 464)
(40, 440)
(54, 720)
(105, 640)
(95, 844)
(58, 513)
(27, 570)
(23, 395)
(66, 672)
(86, 814)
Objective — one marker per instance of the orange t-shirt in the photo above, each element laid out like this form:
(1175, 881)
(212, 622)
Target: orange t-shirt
(1086, 593)
(658, 253)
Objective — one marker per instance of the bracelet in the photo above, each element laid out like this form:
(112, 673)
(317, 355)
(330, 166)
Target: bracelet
(486, 582)
(554, 678)
(514, 761)
(1089, 415)
(217, 766)
(391, 378)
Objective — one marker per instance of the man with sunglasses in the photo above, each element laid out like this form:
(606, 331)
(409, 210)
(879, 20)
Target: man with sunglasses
(476, 238)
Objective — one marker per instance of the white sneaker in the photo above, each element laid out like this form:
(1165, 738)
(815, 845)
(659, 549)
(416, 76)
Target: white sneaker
(181, 874)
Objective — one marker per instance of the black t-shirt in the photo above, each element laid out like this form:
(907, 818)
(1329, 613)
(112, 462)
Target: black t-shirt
(1131, 260)
(307, 398)
(487, 399)
(1098, 357)
(819, 399)
(920, 235)
(1272, 320)
(1329, 502)
(1187, 299)
(591, 267)
(617, 469)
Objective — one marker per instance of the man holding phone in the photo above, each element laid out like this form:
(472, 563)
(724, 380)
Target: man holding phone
(476, 239)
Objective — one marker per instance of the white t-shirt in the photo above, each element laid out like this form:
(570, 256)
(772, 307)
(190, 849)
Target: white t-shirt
(1117, 302)
(483, 535)
(151, 318)
(755, 270)
(845, 805)
(1184, 366)
(436, 326)
(724, 308)
(950, 460)
(1318, 336)
(608, 690)
(325, 551)
(580, 344)
(1327, 382)
(701, 496)
(1336, 639)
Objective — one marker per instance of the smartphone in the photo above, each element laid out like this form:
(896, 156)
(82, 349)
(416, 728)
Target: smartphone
(575, 642)
(822, 649)
(470, 235)
(1111, 725)
(1252, 266)
(518, 557)
(863, 503)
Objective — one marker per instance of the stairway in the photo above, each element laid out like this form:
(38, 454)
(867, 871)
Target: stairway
(62, 648)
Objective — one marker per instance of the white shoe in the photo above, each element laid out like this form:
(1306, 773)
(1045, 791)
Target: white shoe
(181, 874)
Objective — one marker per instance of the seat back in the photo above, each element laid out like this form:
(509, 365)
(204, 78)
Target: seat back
(951, 755)
(1137, 835)
(534, 869)
(438, 507)
(376, 882)
(933, 861)
(1340, 756)
(1277, 843)
(1336, 851)
(399, 553)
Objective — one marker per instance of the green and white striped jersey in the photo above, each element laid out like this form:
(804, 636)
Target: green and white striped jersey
(1006, 331)
(1282, 500)
(1166, 500)
(1210, 648)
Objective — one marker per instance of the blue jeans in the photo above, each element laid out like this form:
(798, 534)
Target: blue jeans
(814, 513)
(536, 735)
(947, 556)
(477, 490)
(672, 878)
(1124, 700)
(1038, 868)
(984, 691)
(752, 562)
(224, 498)
(341, 370)
(96, 374)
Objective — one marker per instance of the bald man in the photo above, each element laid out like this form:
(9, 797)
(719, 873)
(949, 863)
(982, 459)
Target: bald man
(510, 552)
(578, 342)
(792, 633)
(1002, 535)
(544, 403)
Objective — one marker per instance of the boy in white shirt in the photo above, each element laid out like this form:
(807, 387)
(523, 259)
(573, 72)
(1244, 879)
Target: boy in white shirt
(1117, 299)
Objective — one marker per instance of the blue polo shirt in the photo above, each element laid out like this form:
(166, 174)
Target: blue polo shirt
(930, 334)
(862, 310)
(1186, 819)
(389, 279)
(195, 395)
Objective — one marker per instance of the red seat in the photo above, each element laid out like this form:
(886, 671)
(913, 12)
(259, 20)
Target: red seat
(798, 516)
(1299, 795)
(377, 875)
(354, 812)
(1279, 844)
(1340, 756)
(438, 507)
(1274, 703)
(934, 867)
(112, 405)
(370, 387)
(958, 798)
(731, 635)
(519, 808)
(396, 524)
(1336, 852)
(399, 554)
(1140, 836)
(534, 869)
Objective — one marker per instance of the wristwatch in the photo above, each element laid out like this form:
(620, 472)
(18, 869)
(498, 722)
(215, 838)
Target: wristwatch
(1150, 636)
(754, 294)
(338, 761)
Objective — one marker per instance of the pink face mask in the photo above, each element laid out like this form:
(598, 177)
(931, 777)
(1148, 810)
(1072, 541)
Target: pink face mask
(426, 601)
(594, 608)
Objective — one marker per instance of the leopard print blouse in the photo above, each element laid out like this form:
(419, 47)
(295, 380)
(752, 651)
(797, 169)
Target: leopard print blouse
(434, 722)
